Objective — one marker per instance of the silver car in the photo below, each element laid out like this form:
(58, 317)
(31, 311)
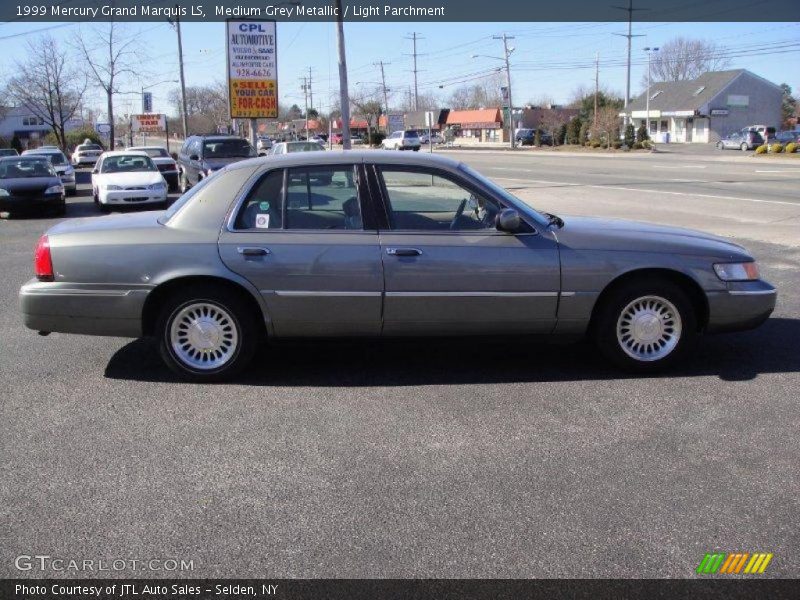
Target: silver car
(380, 244)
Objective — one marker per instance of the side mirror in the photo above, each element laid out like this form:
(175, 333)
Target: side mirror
(508, 220)
(95, 171)
(194, 157)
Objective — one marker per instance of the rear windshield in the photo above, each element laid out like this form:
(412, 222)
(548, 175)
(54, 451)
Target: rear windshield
(411, 134)
(86, 147)
(232, 148)
(153, 152)
(303, 147)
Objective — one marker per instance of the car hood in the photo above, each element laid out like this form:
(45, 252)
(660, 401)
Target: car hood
(129, 179)
(591, 233)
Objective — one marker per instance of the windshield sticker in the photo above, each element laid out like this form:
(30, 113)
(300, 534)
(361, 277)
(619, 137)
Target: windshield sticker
(262, 221)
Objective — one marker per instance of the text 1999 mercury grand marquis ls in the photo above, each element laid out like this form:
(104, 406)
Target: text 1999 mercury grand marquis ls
(374, 244)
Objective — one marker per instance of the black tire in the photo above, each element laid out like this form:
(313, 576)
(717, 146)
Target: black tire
(744, 147)
(62, 209)
(184, 184)
(720, 146)
(609, 314)
(245, 324)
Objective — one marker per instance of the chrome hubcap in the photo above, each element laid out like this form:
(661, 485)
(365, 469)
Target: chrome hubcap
(649, 328)
(203, 336)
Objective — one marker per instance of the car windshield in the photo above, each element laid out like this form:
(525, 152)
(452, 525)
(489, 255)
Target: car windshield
(503, 193)
(25, 168)
(303, 147)
(232, 148)
(8, 152)
(127, 163)
(153, 152)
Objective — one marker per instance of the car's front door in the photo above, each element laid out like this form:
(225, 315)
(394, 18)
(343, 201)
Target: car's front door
(299, 235)
(447, 268)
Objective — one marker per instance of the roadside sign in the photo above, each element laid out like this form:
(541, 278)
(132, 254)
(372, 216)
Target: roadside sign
(147, 102)
(252, 69)
(156, 123)
(103, 128)
(396, 123)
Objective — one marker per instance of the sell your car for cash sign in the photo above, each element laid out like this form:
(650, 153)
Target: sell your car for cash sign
(252, 69)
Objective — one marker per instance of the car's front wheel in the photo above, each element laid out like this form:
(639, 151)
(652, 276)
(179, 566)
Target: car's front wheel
(207, 333)
(184, 183)
(744, 147)
(720, 146)
(646, 325)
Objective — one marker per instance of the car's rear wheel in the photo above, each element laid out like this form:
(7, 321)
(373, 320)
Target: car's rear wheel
(206, 333)
(646, 325)
(720, 146)
(744, 147)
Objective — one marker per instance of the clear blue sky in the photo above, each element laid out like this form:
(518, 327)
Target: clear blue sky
(550, 59)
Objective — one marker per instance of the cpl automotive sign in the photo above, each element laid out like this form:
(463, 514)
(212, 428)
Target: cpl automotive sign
(252, 69)
(148, 123)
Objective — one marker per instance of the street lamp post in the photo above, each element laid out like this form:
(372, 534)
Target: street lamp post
(506, 53)
(649, 51)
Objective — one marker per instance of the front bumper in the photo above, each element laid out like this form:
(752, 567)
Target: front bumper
(88, 309)
(14, 203)
(131, 197)
(744, 305)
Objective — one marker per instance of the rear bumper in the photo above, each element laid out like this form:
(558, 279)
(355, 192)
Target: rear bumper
(744, 305)
(88, 309)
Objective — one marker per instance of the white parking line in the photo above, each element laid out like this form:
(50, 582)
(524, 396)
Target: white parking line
(781, 171)
(679, 166)
(648, 191)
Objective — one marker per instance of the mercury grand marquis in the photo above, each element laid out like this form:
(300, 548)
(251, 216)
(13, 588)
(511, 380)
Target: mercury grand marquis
(374, 244)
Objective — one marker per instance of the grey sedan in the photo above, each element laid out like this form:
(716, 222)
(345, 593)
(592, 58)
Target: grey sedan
(375, 244)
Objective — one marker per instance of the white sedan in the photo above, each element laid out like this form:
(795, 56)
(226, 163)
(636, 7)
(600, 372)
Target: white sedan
(124, 178)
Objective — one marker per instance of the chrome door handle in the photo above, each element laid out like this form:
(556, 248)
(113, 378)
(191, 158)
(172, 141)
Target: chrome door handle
(252, 251)
(403, 251)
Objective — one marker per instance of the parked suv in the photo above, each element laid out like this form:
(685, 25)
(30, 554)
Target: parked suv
(527, 137)
(402, 140)
(201, 155)
(744, 140)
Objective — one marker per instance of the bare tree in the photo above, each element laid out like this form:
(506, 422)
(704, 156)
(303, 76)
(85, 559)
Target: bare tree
(607, 127)
(681, 59)
(552, 122)
(206, 106)
(485, 94)
(109, 59)
(48, 86)
(369, 107)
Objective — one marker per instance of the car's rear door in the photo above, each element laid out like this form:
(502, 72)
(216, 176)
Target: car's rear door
(306, 238)
(450, 273)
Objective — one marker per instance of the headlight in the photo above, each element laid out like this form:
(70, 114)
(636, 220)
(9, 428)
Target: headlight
(3, 193)
(109, 187)
(737, 271)
(54, 189)
(156, 186)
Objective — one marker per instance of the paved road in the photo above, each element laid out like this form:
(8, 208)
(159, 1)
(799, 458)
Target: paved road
(435, 459)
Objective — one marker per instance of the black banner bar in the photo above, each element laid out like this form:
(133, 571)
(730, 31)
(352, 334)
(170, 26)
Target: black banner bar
(443, 11)
(395, 589)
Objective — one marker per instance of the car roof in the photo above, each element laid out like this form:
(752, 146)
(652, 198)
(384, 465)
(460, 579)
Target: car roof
(220, 137)
(335, 157)
(43, 150)
(144, 148)
(124, 153)
(16, 158)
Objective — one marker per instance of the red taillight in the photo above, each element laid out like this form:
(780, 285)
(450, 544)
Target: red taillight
(42, 263)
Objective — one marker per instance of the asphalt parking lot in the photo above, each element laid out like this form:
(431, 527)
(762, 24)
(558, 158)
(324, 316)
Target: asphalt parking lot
(491, 458)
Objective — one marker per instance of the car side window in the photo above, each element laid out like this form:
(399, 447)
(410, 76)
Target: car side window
(423, 200)
(263, 208)
(322, 198)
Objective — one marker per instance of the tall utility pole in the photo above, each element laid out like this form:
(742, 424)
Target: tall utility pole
(506, 54)
(596, 84)
(344, 94)
(305, 87)
(414, 39)
(177, 25)
(647, 109)
(629, 9)
(381, 64)
(310, 90)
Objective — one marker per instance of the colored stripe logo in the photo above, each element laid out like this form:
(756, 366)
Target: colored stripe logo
(734, 563)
